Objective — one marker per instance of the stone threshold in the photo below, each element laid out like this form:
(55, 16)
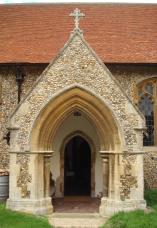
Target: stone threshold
(73, 220)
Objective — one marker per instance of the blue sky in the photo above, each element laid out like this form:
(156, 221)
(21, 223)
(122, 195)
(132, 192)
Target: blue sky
(60, 1)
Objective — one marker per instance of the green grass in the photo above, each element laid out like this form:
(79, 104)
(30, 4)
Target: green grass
(134, 219)
(11, 219)
(151, 198)
(138, 218)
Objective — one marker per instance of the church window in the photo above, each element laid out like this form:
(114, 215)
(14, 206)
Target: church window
(147, 103)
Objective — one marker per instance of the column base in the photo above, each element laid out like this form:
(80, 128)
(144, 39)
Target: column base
(38, 206)
(109, 207)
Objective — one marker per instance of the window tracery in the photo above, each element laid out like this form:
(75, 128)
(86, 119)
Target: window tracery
(147, 103)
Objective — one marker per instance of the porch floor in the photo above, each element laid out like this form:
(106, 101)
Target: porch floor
(76, 204)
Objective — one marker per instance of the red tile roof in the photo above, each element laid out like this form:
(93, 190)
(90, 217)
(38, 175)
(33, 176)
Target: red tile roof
(118, 33)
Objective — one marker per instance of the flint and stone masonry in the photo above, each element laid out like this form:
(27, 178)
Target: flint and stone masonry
(75, 81)
(65, 86)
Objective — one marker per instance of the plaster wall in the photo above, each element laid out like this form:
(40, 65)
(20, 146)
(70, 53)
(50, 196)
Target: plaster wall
(70, 125)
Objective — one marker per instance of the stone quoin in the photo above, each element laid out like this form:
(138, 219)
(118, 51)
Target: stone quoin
(77, 126)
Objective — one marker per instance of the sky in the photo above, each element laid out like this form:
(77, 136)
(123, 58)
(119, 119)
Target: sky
(66, 1)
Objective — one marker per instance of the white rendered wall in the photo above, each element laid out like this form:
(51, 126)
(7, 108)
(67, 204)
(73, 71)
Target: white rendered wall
(70, 125)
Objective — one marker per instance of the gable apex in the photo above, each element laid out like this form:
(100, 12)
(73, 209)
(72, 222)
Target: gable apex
(77, 35)
(77, 63)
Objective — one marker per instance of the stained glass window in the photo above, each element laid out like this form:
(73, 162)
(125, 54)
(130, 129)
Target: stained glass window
(146, 100)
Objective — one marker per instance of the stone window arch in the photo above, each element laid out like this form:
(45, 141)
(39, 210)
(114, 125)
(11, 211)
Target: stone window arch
(147, 103)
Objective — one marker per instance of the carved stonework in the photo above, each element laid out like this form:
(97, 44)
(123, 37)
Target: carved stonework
(105, 162)
(24, 177)
(47, 175)
(134, 91)
(127, 180)
(60, 180)
(77, 67)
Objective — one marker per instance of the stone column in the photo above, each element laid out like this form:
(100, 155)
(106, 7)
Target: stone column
(30, 174)
(47, 164)
(105, 160)
(114, 203)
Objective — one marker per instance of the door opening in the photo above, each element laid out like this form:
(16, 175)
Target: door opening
(77, 167)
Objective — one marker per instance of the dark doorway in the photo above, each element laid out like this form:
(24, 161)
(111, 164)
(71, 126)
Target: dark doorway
(77, 167)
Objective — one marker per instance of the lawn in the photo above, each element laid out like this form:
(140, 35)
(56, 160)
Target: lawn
(135, 219)
(138, 218)
(11, 219)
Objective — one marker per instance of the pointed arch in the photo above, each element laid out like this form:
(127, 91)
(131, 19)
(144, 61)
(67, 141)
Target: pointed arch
(146, 93)
(92, 150)
(63, 104)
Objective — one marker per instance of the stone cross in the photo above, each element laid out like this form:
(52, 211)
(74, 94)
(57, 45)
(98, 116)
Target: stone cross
(77, 16)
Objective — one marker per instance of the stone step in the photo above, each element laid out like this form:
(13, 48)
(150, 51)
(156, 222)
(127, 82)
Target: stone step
(75, 215)
(76, 220)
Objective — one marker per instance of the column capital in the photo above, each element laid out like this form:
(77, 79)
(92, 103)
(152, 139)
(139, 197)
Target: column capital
(48, 155)
(104, 156)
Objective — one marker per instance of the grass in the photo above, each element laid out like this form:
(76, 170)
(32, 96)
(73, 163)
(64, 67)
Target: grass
(134, 219)
(151, 198)
(12, 219)
(138, 218)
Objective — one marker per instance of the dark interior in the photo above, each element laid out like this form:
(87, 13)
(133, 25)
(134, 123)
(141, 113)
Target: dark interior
(77, 167)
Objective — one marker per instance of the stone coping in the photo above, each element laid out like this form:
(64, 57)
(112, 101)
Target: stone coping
(101, 152)
(121, 153)
(150, 149)
(32, 152)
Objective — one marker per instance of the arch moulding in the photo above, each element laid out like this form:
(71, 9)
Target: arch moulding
(93, 157)
(76, 80)
(64, 104)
